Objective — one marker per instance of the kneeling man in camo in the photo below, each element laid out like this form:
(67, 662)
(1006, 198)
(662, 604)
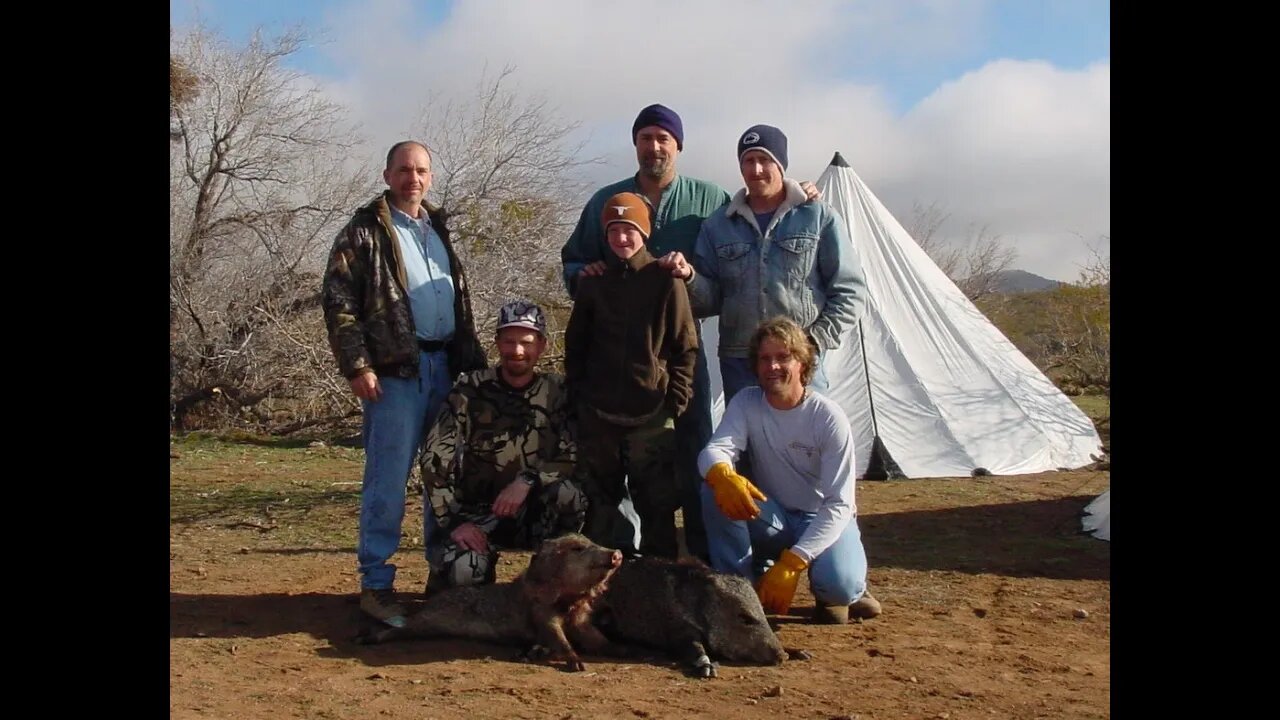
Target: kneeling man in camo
(497, 463)
(800, 447)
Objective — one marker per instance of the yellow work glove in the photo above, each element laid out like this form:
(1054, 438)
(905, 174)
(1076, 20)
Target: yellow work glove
(778, 586)
(733, 492)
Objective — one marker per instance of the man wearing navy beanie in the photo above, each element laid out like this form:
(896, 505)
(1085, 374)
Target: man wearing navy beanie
(768, 140)
(660, 116)
(679, 204)
(798, 263)
(789, 260)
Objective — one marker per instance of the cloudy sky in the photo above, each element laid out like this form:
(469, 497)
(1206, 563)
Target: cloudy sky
(998, 111)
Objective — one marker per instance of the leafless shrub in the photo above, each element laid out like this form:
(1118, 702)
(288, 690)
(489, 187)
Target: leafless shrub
(259, 182)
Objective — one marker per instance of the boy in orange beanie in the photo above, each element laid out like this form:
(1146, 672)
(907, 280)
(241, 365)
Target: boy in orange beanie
(630, 350)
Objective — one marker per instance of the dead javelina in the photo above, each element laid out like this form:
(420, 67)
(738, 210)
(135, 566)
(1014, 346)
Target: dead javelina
(691, 611)
(552, 599)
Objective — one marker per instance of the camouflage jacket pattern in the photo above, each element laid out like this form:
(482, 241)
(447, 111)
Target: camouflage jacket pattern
(487, 435)
(366, 307)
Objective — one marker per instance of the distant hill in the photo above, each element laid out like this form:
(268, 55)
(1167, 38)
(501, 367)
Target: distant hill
(1021, 281)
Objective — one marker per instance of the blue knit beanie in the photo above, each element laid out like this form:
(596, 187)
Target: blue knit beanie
(662, 116)
(767, 138)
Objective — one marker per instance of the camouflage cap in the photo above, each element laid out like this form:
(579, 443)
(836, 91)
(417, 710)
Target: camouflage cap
(522, 313)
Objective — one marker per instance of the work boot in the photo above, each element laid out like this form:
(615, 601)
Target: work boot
(864, 608)
(831, 614)
(381, 604)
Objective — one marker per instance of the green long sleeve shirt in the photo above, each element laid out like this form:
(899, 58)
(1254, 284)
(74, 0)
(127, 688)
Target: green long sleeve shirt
(685, 203)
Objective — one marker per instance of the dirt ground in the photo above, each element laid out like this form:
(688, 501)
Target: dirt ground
(995, 606)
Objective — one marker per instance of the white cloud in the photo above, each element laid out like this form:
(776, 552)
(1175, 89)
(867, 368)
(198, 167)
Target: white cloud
(1021, 147)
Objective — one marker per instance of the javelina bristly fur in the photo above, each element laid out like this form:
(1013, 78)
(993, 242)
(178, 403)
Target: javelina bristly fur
(545, 608)
(690, 611)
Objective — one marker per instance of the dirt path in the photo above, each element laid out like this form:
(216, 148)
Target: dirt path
(995, 607)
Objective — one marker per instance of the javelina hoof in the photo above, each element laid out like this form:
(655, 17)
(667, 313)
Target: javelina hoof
(703, 668)
(535, 653)
(798, 654)
(538, 653)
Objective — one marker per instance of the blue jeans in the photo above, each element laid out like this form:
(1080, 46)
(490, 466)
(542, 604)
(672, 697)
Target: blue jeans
(393, 432)
(693, 431)
(838, 576)
(737, 373)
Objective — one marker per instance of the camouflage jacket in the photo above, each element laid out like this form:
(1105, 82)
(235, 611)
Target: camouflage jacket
(487, 435)
(366, 307)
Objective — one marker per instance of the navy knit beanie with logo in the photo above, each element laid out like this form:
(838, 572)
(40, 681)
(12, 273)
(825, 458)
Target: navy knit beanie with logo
(767, 138)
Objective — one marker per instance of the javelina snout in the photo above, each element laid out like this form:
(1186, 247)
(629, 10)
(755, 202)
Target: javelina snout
(691, 611)
(738, 628)
(545, 607)
(570, 566)
(565, 577)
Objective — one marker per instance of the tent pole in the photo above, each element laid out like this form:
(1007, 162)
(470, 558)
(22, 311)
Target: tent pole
(862, 345)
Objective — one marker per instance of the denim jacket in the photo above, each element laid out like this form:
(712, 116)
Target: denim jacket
(802, 266)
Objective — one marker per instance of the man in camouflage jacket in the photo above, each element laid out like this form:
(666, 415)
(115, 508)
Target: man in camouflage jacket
(399, 318)
(498, 462)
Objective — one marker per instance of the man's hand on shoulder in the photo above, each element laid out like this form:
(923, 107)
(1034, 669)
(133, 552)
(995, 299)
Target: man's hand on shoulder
(592, 269)
(676, 262)
(810, 190)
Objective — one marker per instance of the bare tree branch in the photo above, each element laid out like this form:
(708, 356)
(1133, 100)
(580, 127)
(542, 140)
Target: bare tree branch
(508, 170)
(260, 180)
(257, 191)
(974, 262)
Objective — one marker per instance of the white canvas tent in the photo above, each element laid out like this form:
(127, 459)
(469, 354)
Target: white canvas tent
(926, 379)
(1097, 516)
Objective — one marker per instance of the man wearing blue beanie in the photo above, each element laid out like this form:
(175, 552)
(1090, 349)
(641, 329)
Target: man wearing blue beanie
(787, 257)
(660, 116)
(770, 257)
(678, 205)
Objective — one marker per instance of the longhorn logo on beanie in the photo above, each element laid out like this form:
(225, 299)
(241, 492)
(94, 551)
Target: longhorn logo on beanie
(627, 207)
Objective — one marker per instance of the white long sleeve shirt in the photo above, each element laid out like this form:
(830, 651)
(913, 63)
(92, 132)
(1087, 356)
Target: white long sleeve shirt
(801, 458)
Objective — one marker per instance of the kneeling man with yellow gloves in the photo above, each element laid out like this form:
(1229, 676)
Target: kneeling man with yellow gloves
(799, 513)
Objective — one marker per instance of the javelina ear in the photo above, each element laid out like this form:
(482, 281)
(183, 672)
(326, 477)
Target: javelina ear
(540, 578)
(703, 594)
(541, 568)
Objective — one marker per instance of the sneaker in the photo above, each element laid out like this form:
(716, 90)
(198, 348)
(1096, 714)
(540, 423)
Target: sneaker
(865, 607)
(381, 604)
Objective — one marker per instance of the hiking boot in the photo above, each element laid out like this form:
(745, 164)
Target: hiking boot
(864, 608)
(381, 604)
(831, 614)
(435, 583)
